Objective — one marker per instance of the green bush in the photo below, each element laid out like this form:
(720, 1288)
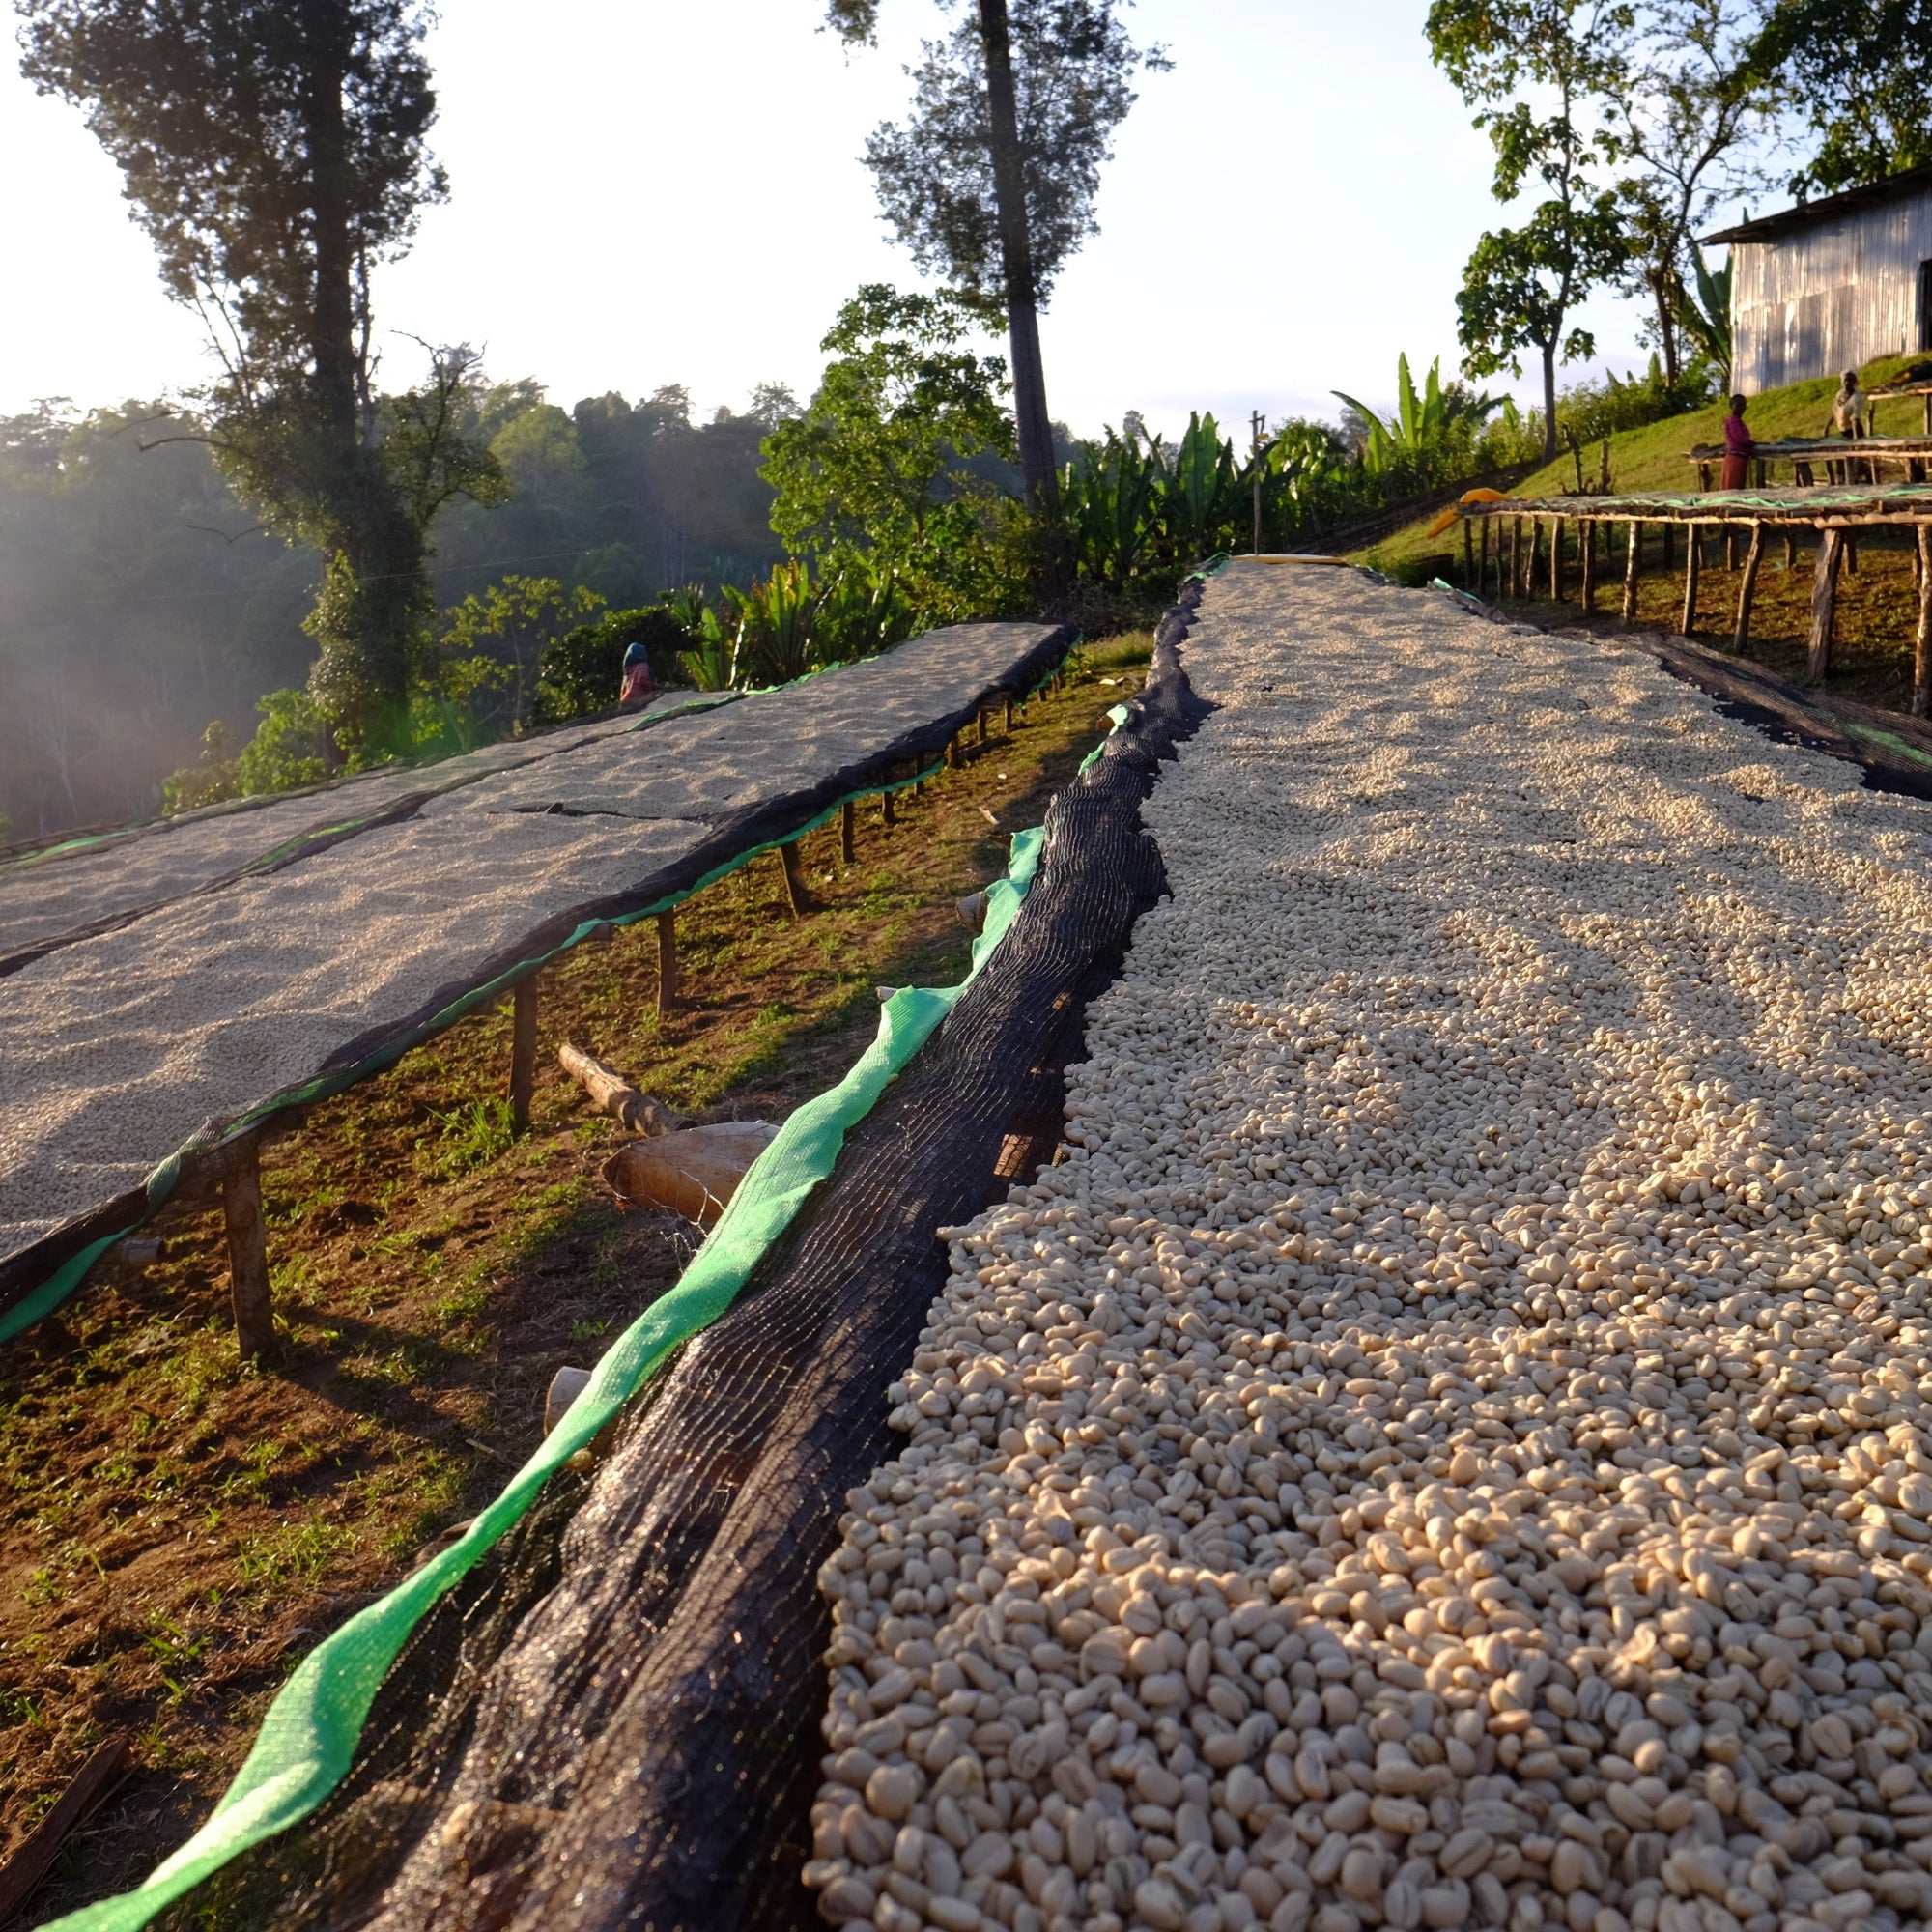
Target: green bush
(290, 749)
(581, 671)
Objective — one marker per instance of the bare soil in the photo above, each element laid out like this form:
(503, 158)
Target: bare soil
(177, 1531)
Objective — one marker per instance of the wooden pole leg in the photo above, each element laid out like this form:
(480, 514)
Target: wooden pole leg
(1632, 563)
(848, 850)
(1586, 543)
(888, 810)
(666, 924)
(986, 728)
(1468, 557)
(1556, 560)
(1693, 560)
(794, 870)
(247, 1251)
(1008, 722)
(522, 1050)
(953, 752)
(1825, 600)
(1921, 653)
(1748, 587)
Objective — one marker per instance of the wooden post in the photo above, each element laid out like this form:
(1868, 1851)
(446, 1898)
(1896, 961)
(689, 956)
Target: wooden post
(1851, 554)
(1483, 553)
(888, 808)
(953, 752)
(1008, 726)
(1754, 556)
(1468, 556)
(986, 731)
(795, 894)
(1922, 651)
(1587, 542)
(847, 832)
(1790, 549)
(1693, 558)
(523, 1049)
(1703, 477)
(1730, 546)
(1927, 401)
(247, 1249)
(1515, 556)
(1825, 600)
(1556, 560)
(667, 962)
(1529, 563)
(1632, 563)
(1669, 534)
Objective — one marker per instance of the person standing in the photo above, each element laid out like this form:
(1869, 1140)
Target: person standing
(1851, 418)
(1737, 447)
(639, 686)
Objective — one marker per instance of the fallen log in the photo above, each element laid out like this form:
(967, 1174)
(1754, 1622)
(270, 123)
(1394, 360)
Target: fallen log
(693, 1172)
(612, 1093)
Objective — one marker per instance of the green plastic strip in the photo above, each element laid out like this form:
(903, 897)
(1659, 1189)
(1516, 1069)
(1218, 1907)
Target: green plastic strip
(307, 1741)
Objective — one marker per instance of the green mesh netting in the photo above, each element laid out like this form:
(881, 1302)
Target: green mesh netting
(308, 1738)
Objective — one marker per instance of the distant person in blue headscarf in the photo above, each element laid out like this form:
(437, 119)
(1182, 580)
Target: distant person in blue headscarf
(637, 687)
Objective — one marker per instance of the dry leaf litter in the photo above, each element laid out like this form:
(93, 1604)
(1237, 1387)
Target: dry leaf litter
(1447, 1445)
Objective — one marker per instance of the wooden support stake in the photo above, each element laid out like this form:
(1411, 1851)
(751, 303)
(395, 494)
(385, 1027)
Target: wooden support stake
(93, 1782)
(888, 808)
(986, 731)
(1008, 725)
(1469, 555)
(1587, 543)
(795, 892)
(522, 1050)
(1556, 560)
(666, 922)
(1693, 558)
(1703, 477)
(1670, 547)
(1483, 551)
(1632, 563)
(1921, 650)
(953, 752)
(1927, 401)
(247, 1249)
(1515, 556)
(1730, 546)
(1790, 549)
(848, 832)
(1754, 556)
(1825, 600)
(1851, 554)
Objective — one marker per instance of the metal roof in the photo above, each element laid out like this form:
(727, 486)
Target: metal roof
(1790, 220)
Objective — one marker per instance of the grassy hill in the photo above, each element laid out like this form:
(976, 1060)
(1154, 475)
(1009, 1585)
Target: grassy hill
(1877, 606)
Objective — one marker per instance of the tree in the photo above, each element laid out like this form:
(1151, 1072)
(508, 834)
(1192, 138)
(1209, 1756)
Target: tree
(1522, 283)
(874, 463)
(501, 636)
(992, 181)
(275, 151)
(1865, 69)
(1696, 99)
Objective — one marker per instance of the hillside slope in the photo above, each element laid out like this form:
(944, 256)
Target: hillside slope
(1877, 603)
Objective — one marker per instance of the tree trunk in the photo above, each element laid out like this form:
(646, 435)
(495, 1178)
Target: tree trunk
(332, 317)
(1550, 400)
(1666, 326)
(1035, 428)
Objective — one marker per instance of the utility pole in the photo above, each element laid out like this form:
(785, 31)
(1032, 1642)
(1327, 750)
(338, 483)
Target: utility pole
(1257, 422)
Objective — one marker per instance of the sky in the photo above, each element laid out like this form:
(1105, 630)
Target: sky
(648, 193)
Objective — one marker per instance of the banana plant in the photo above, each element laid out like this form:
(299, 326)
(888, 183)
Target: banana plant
(1108, 499)
(1707, 315)
(776, 640)
(1421, 423)
(1201, 491)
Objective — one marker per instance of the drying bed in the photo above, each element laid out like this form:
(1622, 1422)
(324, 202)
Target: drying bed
(212, 976)
(1446, 1446)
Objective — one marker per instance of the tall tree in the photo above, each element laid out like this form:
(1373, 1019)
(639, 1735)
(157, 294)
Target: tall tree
(1522, 283)
(1865, 67)
(1690, 118)
(992, 181)
(275, 151)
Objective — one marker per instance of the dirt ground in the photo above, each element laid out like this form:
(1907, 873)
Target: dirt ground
(177, 1531)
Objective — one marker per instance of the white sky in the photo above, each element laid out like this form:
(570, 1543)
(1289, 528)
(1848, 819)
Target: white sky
(659, 194)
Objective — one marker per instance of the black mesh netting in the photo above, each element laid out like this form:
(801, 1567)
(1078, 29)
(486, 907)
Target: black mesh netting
(615, 1721)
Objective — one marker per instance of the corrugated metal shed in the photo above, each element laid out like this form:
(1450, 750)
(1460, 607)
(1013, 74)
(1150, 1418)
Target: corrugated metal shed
(1832, 284)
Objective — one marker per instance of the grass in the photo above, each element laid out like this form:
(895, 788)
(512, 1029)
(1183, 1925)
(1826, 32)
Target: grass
(1877, 611)
(176, 1531)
